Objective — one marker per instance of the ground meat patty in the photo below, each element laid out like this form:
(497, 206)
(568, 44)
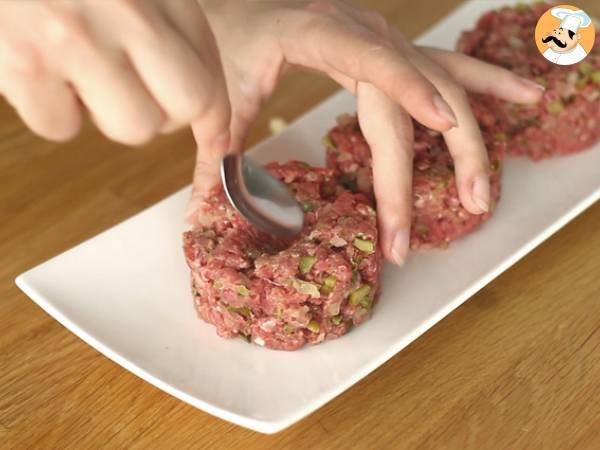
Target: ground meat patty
(284, 294)
(567, 119)
(438, 216)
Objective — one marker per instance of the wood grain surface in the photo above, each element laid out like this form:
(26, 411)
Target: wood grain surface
(517, 366)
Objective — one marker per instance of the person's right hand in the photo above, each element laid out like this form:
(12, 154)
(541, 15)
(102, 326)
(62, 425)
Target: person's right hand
(138, 67)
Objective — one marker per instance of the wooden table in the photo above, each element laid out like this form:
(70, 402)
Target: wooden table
(517, 366)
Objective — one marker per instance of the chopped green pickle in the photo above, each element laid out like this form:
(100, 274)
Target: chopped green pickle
(595, 76)
(313, 326)
(555, 107)
(542, 81)
(495, 166)
(336, 320)
(586, 68)
(242, 311)
(521, 7)
(358, 295)
(307, 206)
(364, 245)
(355, 277)
(252, 253)
(367, 301)
(327, 142)
(242, 290)
(328, 190)
(306, 263)
(330, 281)
(422, 229)
(500, 137)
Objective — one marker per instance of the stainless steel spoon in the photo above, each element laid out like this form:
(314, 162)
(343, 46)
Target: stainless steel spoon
(263, 200)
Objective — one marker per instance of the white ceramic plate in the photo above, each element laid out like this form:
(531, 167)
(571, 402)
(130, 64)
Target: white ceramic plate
(126, 292)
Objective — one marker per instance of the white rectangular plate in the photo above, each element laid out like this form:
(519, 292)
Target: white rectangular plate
(126, 291)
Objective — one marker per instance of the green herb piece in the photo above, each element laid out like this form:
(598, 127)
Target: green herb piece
(307, 206)
(313, 326)
(364, 245)
(306, 263)
(358, 295)
(287, 328)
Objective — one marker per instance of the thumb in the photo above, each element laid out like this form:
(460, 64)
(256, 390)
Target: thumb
(209, 154)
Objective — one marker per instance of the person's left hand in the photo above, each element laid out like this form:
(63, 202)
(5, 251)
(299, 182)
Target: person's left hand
(392, 79)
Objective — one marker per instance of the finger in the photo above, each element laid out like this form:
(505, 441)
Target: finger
(103, 78)
(364, 56)
(48, 107)
(206, 176)
(388, 130)
(465, 142)
(120, 105)
(181, 68)
(484, 78)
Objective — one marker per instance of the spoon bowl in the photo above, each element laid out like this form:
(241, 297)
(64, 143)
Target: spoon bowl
(260, 198)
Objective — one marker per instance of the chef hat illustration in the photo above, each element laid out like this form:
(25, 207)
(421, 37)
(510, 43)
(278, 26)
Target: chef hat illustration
(571, 20)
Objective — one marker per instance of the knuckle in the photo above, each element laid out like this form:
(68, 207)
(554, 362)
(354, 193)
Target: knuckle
(66, 27)
(21, 59)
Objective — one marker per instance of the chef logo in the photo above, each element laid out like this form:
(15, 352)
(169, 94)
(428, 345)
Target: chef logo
(564, 35)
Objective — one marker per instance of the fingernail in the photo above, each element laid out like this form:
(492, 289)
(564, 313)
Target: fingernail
(444, 109)
(400, 245)
(529, 83)
(192, 209)
(481, 192)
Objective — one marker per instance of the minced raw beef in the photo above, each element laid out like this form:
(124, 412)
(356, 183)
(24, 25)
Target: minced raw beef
(437, 216)
(567, 119)
(280, 294)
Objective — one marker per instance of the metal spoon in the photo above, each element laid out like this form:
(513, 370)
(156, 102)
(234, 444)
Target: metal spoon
(263, 200)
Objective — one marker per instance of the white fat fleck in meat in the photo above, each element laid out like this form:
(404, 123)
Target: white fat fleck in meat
(259, 341)
(268, 325)
(337, 241)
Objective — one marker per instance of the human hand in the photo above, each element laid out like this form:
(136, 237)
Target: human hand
(392, 79)
(138, 67)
